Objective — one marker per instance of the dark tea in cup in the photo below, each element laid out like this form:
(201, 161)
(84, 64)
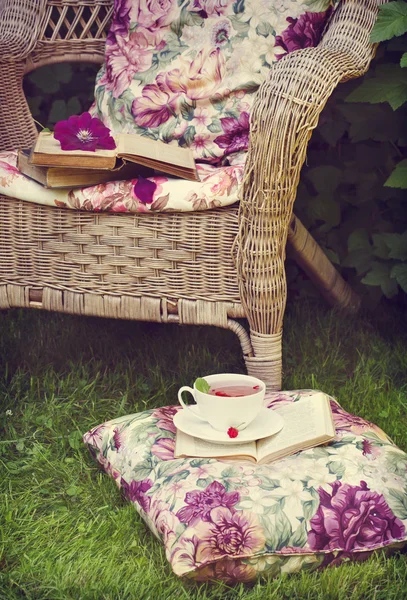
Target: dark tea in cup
(233, 391)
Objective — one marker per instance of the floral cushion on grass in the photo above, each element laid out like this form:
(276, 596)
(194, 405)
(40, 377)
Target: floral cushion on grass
(236, 521)
(218, 186)
(186, 71)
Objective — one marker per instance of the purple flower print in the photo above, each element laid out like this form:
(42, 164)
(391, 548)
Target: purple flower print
(164, 449)
(156, 105)
(121, 20)
(304, 32)
(370, 450)
(135, 491)
(344, 420)
(166, 417)
(144, 190)
(117, 438)
(228, 534)
(236, 136)
(206, 8)
(200, 504)
(352, 518)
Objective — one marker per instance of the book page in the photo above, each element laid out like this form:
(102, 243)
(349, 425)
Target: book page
(137, 145)
(186, 445)
(47, 144)
(304, 422)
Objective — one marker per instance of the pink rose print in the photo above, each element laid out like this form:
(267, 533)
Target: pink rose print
(228, 533)
(236, 136)
(200, 78)
(352, 518)
(124, 59)
(200, 503)
(304, 32)
(154, 13)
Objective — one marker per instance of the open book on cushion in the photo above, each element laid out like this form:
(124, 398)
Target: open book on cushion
(307, 424)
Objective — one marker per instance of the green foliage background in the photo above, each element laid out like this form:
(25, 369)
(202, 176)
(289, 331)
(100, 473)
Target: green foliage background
(357, 152)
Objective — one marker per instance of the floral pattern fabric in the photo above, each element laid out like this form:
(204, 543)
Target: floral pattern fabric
(186, 71)
(236, 521)
(218, 186)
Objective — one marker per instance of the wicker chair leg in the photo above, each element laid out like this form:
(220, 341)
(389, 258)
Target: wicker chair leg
(266, 364)
(311, 258)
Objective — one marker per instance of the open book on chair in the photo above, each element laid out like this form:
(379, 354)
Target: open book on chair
(307, 423)
(129, 147)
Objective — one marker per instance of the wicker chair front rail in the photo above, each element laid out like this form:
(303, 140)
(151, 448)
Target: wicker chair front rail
(286, 111)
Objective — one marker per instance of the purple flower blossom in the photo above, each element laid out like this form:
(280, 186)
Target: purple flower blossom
(135, 491)
(352, 518)
(164, 449)
(304, 32)
(228, 534)
(200, 504)
(236, 136)
(116, 438)
(144, 190)
(166, 417)
(83, 132)
(121, 20)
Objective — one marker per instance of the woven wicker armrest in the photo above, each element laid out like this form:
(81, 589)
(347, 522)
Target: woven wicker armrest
(285, 112)
(20, 22)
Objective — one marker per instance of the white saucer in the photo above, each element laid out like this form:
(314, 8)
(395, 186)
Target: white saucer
(267, 422)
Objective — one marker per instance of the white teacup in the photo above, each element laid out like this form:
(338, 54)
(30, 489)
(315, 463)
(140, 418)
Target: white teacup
(224, 412)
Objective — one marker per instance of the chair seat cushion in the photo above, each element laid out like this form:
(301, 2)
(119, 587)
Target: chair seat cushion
(235, 521)
(185, 71)
(218, 186)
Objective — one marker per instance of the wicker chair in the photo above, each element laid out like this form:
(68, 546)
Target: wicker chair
(189, 268)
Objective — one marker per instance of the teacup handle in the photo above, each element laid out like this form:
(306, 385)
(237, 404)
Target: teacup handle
(186, 388)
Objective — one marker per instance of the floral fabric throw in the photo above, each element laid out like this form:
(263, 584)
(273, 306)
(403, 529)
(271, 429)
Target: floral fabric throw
(218, 186)
(236, 521)
(184, 72)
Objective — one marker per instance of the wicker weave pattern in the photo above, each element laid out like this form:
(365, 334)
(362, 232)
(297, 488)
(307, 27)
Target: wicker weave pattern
(174, 267)
(288, 105)
(175, 255)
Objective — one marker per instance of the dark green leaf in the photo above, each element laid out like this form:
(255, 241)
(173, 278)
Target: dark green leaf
(58, 111)
(397, 243)
(322, 208)
(380, 275)
(398, 179)
(359, 240)
(360, 260)
(325, 178)
(391, 22)
(376, 90)
(403, 60)
(381, 249)
(399, 273)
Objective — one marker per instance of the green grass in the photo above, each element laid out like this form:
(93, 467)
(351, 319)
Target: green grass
(66, 533)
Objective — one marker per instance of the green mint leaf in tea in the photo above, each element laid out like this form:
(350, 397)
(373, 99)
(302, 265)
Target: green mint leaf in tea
(202, 386)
